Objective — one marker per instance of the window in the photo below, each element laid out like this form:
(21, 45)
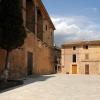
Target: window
(86, 56)
(74, 57)
(46, 27)
(85, 46)
(74, 48)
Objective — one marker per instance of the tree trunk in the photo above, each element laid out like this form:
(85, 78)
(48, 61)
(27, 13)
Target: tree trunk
(7, 59)
(6, 66)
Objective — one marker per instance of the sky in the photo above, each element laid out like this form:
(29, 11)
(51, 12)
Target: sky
(74, 19)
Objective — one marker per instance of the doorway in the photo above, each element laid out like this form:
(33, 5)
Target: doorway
(74, 69)
(29, 63)
(87, 69)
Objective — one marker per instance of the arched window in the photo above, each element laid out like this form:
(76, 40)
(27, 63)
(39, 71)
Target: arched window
(30, 15)
(39, 25)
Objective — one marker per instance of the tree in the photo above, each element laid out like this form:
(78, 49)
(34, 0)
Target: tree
(12, 31)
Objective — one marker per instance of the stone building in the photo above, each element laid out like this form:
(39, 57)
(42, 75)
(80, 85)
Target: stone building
(36, 55)
(81, 57)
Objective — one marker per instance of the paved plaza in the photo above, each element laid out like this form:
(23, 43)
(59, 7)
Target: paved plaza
(57, 87)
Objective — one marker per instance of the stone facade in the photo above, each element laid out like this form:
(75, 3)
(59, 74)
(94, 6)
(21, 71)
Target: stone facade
(36, 55)
(81, 57)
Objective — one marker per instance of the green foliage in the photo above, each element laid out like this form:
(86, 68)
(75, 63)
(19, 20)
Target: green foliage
(12, 31)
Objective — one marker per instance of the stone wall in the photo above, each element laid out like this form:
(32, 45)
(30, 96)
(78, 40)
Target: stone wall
(42, 58)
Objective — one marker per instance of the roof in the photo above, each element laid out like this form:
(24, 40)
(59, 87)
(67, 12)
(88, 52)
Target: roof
(78, 43)
(46, 13)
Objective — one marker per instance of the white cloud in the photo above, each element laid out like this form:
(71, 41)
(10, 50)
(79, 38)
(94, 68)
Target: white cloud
(94, 9)
(75, 28)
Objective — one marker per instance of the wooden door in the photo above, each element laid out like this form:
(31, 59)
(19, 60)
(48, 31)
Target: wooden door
(74, 69)
(29, 63)
(87, 69)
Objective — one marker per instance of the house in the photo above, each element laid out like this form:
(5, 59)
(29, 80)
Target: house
(36, 55)
(81, 57)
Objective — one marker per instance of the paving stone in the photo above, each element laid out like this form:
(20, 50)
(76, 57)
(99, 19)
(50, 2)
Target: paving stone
(57, 87)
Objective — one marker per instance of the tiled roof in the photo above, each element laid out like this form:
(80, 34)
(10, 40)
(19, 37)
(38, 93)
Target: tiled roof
(78, 43)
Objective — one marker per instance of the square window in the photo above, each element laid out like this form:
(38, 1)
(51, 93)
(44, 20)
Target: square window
(74, 48)
(85, 47)
(87, 56)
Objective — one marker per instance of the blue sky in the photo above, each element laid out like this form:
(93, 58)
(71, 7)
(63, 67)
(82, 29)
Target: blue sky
(74, 19)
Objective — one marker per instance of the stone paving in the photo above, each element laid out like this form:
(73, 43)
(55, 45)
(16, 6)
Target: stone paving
(57, 87)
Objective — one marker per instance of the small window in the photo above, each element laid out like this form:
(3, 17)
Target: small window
(74, 48)
(86, 56)
(74, 57)
(85, 47)
(46, 27)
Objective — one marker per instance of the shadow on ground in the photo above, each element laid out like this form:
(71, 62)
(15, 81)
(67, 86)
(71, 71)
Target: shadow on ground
(30, 79)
